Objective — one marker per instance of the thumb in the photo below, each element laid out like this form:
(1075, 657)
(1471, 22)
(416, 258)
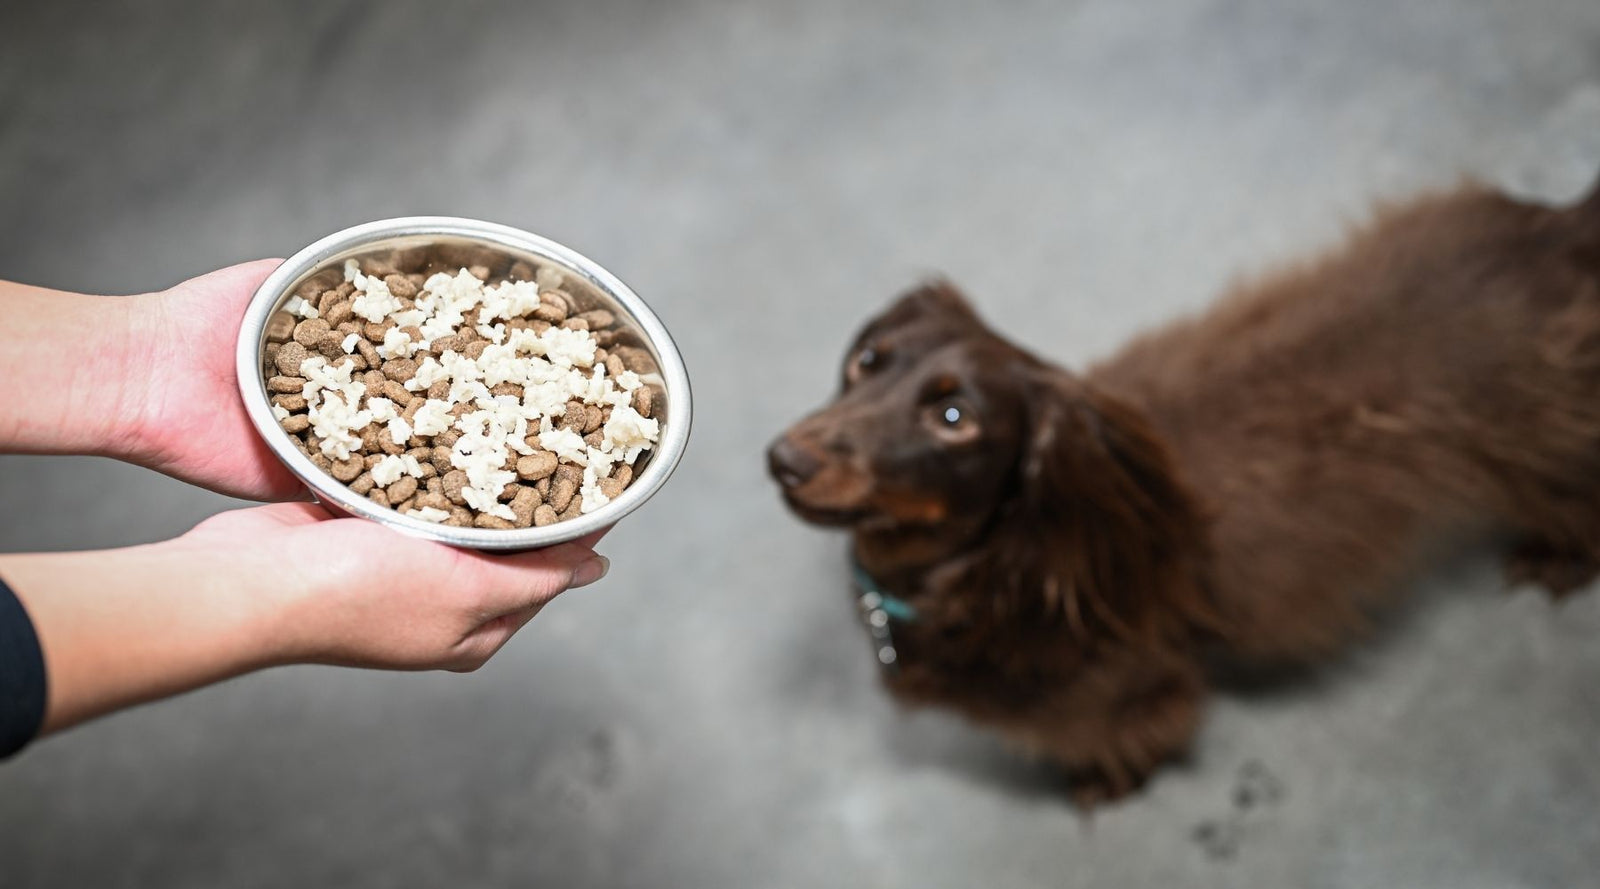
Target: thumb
(527, 580)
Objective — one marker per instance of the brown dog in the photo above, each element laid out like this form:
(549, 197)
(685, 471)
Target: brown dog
(1080, 549)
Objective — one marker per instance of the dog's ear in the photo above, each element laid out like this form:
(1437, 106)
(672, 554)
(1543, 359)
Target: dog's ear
(1105, 535)
(939, 296)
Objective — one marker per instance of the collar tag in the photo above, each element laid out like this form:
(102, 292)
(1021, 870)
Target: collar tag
(879, 611)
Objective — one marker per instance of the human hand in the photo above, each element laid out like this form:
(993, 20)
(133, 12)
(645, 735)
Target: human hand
(271, 585)
(354, 593)
(182, 393)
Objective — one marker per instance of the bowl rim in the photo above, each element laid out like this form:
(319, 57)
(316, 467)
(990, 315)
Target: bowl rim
(666, 455)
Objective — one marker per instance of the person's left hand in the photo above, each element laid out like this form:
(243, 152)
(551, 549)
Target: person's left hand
(182, 398)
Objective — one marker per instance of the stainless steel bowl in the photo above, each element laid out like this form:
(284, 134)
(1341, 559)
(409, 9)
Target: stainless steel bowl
(497, 246)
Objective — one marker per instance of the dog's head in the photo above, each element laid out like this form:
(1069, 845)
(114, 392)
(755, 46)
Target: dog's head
(926, 432)
(946, 440)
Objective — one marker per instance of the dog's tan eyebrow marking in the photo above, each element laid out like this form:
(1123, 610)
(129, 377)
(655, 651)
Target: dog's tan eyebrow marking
(943, 385)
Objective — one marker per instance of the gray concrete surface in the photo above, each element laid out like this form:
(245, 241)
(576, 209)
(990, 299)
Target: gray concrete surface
(767, 174)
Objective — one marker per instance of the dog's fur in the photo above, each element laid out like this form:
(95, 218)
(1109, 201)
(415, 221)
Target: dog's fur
(1247, 483)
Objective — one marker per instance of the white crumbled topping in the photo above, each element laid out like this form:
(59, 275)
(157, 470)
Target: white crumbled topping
(553, 368)
(564, 443)
(400, 431)
(397, 344)
(629, 432)
(322, 376)
(298, 306)
(432, 418)
(566, 348)
(428, 514)
(279, 413)
(374, 302)
(382, 409)
(430, 371)
(335, 421)
(387, 471)
(593, 497)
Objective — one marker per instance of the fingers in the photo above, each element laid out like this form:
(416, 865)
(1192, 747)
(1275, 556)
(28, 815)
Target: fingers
(522, 581)
(236, 281)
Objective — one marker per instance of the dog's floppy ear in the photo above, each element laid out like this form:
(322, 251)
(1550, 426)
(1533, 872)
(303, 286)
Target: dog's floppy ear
(1105, 536)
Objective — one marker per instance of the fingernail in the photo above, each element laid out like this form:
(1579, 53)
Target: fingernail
(590, 571)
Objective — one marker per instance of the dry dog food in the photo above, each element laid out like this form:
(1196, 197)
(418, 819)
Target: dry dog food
(460, 399)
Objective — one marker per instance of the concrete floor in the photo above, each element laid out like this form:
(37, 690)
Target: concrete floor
(766, 174)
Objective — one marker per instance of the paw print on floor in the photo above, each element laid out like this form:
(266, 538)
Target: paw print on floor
(1256, 791)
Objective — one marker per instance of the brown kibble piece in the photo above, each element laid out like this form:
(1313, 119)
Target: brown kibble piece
(435, 485)
(573, 510)
(623, 473)
(376, 495)
(432, 500)
(507, 389)
(295, 424)
(543, 487)
(592, 418)
(643, 400)
(440, 390)
(375, 331)
(387, 443)
(310, 332)
(484, 520)
(454, 342)
(402, 489)
(289, 358)
(550, 313)
(564, 486)
(347, 470)
(331, 346)
(338, 315)
(611, 487)
(614, 366)
(447, 438)
(595, 439)
(440, 458)
(599, 319)
(318, 459)
(290, 403)
(575, 324)
(475, 349)
(537, 465)
(523, 504)
(520, 271)
(395, 392)
(286, 384)
(460, 516)
(454, 481)
(400, 369)
(400, 286)
(363, 483)
(545, 515)
(280, 327)
(370, 352)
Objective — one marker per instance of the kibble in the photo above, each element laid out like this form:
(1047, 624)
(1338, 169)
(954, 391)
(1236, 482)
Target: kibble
(457, 397)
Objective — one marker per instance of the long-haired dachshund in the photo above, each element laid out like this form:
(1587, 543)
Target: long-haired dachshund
(1066, 557)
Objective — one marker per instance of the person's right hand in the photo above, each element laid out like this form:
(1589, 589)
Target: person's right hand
(271, 585)
(354, 593)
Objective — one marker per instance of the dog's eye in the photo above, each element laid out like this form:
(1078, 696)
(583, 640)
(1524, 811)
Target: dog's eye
(864, 361)
(952, 419)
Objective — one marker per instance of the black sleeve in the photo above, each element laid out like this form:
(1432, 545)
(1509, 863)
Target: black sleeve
(22, 686)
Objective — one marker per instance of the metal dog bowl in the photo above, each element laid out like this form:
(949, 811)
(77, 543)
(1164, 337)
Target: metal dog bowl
(446, 244)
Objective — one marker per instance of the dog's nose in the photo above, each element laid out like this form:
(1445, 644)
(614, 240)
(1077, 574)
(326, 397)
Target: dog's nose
(791, 464)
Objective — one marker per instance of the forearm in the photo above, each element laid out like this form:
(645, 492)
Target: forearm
(68, 361)
(122, 627)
